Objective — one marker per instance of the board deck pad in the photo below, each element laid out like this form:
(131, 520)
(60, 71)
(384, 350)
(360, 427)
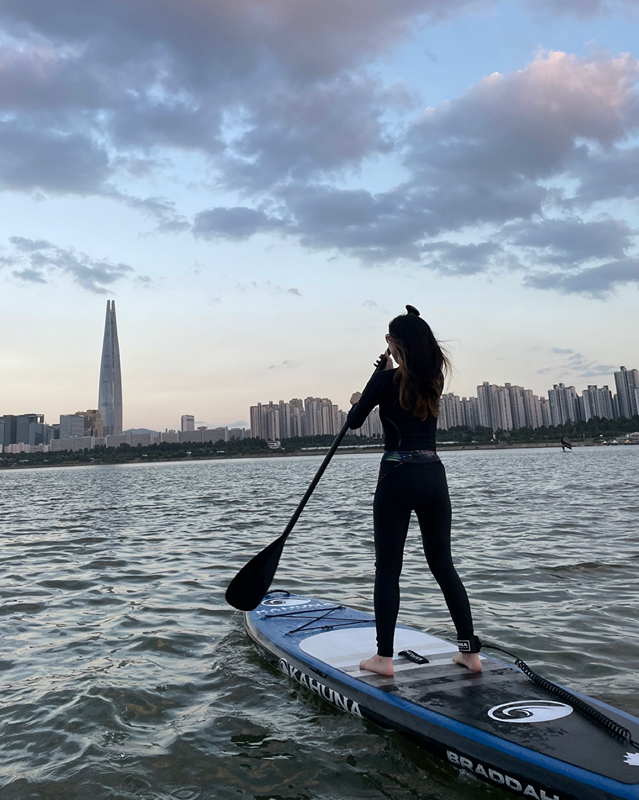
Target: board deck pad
(500, 700)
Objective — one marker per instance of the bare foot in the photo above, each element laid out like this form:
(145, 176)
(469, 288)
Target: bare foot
(470, 660)
(379, 664)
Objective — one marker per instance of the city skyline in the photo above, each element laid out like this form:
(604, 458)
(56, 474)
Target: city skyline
(499, 408)
(261, 206)
(507, 407)
(109, 415)
(110, 391)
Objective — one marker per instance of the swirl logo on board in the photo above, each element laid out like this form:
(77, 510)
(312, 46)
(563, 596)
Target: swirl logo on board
(286, 602)
(529, 711)
(632, 759)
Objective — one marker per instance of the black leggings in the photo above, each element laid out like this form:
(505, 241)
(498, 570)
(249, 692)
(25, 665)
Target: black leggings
(422, 488)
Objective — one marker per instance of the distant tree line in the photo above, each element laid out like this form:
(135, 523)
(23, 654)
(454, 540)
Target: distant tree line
(595, 428)
(298, 442)
(166, 451)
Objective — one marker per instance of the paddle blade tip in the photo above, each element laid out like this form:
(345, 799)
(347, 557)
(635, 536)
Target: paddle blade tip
(241, 600)
(251, 584)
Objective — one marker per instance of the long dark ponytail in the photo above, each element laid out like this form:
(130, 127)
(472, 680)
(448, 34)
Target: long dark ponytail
(423, 365)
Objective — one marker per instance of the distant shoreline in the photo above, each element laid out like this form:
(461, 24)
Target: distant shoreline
(300, 453)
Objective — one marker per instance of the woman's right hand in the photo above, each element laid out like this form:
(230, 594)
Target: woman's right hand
(355, 397)
(388, 361)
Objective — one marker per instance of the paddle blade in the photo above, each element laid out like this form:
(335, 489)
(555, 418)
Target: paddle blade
(247, 589)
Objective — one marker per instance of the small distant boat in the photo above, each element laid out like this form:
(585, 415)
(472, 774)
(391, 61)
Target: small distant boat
(566, 444)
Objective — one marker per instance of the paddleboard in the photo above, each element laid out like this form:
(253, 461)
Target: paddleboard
(497, 725)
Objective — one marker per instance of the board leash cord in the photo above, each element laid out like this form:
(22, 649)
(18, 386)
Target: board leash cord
(614, 728)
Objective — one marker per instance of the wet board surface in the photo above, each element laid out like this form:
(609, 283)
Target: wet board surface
(481, 722)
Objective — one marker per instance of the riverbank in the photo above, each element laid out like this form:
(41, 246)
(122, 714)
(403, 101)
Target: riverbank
(315, 451)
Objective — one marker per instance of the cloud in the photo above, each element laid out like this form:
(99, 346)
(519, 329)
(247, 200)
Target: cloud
(488, 154)
(372, 227)
(462, 259)
(164, 211)
(29, 245)
(235, 223)
(280, 101)
(605, 174)
(268, 287)
(576, 365)
(295, 136)
(598, 282)
(492, 159)
(570, 240)
(276, 89)
(32, 275)
(63, 163)
(584, 8)
(40, 257)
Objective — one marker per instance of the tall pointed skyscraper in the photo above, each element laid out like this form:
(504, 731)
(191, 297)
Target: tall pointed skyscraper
(110, 400)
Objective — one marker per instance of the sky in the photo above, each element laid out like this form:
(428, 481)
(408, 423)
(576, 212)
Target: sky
(261, 185)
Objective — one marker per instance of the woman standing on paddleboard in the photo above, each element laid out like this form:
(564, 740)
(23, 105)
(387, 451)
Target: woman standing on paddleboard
(411, 478)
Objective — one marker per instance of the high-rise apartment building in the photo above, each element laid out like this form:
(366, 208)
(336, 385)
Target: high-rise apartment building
(285, 419)
(627, 384)
(314, 416)
(92, 422)
(597, 402)
(265, 421)
(321, 417)
(187, 422)
(110, 395)
(451, 412)
(29, 426)
(494, 407)
(516, 403)
(372, 425)
(605, 405)
(8, 429)
(71, 425)
(544, 405)
(297, 417)
(564, 404)
(470, 409)
(313, 422)
(532, 410)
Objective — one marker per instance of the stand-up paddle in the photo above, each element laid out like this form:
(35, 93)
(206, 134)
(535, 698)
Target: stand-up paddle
(248, 588)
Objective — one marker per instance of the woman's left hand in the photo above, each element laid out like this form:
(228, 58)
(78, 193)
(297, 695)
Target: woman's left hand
(355, 397)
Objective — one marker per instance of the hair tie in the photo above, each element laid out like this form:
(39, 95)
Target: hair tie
(412, 310)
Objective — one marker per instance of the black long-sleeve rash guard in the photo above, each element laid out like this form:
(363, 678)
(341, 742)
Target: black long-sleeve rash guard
(402, 431)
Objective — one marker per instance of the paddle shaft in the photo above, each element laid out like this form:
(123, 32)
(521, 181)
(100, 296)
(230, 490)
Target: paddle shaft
(323, 465)
(252, 582)
(315, 481)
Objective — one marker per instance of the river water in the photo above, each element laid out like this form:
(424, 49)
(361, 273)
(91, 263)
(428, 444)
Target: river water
(124, 675)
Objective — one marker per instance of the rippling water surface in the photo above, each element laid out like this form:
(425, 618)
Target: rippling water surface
(124, 675)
